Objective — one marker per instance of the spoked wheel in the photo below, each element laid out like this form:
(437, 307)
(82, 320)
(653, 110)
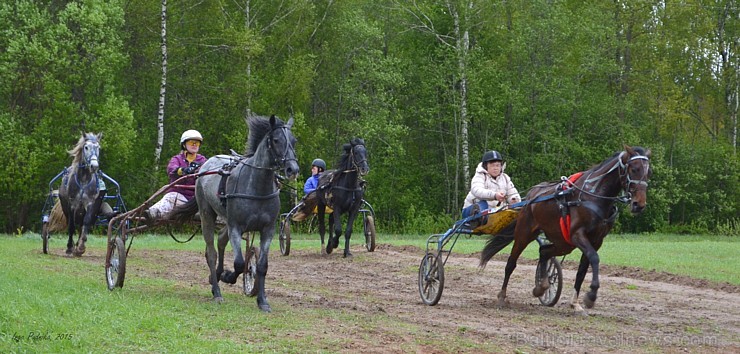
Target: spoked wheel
(431, 279)
(284, 235)
(45, 237)
(250, 271)
(555, 278)
(369, 227)
(116, 271)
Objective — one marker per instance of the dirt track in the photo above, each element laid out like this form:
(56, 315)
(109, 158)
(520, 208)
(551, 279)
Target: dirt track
(637, 311)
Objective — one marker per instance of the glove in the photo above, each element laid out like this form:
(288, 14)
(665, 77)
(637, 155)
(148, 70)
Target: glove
(191, 168)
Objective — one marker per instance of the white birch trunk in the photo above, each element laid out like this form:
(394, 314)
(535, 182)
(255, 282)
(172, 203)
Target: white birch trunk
(162, 91)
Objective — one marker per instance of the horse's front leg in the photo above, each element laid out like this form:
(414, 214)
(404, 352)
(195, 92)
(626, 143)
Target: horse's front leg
(259, 281)
(235, 235)
(348, 232)
(71, 232)
(91, 217)
(580, 276)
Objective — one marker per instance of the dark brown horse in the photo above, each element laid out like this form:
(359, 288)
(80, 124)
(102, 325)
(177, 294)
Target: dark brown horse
(576, 213)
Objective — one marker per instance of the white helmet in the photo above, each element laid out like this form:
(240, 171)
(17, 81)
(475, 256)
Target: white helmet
(190, 135)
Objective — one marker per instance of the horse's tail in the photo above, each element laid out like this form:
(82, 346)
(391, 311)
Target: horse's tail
(496, 243)
(309, 204)
(57, 220)
(183, 212)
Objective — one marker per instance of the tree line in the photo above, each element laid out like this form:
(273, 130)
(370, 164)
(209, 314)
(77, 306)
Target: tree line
(555, 86)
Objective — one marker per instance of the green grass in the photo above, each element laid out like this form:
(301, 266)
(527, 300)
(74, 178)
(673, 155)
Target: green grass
(59, 304)
(712, 258)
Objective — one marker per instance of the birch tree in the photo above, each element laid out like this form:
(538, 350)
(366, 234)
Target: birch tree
(162, 89)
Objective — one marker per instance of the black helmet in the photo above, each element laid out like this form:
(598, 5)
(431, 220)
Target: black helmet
(492, 155)
(319, 163)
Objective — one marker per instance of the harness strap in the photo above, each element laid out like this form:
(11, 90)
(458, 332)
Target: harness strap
(253, 197)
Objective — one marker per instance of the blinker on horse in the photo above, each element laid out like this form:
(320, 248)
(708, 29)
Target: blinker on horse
(79, 194)
(250, 202)
(576, 213)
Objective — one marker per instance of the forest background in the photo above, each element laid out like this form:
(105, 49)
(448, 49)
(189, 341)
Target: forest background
(556, 86)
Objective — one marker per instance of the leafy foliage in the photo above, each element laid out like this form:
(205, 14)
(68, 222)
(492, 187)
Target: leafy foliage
(555, 86)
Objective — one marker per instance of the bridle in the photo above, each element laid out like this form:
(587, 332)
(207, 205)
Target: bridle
(624, 176)
(355, 163)
(87, 159)
(277, 162)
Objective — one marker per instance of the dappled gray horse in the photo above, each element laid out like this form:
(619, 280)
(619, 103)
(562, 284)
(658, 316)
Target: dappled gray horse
(79, 193)
(252, 201)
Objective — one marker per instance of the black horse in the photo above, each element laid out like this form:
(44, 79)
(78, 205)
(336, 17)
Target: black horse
(80, 194)
(250, 200)
(575, 213)
(342, 190)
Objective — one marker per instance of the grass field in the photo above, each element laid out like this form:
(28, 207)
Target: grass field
(59, 304)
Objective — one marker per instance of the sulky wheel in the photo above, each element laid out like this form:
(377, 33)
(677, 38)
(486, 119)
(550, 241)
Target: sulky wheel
(284, 237)
(250, 271)
(555, 278)
(369, 227)
(431, 279)
(45, 236)
(115, 272)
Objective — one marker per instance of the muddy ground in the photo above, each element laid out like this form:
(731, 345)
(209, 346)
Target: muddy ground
(637, 310)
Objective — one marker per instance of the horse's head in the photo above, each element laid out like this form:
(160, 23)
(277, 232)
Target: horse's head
(358, 155)
(87, 152)
(635, 177)
(281, 142)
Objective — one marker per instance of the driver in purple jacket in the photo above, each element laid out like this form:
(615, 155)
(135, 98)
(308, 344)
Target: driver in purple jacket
(187, 162)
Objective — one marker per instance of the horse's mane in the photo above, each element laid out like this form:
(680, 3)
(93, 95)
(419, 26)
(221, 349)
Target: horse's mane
(639, 150)
(76, 151)
(259, 126)
(343, 163)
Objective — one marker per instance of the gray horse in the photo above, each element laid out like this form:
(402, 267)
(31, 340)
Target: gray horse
(80, 194)
(250, 200)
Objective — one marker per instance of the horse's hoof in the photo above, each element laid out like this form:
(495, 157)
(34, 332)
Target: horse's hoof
(265, 308)
(68, 251)
(78, 252)
(218, 299)
(347, 255)
(589, 300)
(538, 291)
(328, 249)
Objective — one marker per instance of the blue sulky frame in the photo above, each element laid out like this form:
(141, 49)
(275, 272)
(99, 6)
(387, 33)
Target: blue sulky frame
(112, 198)
(283, 227)
(439, 248)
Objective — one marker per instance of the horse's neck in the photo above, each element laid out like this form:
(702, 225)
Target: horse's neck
(604, 180)
(348, 178)
(256, 174)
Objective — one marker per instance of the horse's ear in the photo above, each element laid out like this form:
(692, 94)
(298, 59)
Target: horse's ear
(100, 136)
(347, 147)
(648, 153)
(272, 120)
(290, 122)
